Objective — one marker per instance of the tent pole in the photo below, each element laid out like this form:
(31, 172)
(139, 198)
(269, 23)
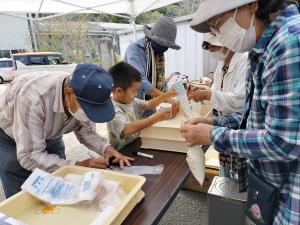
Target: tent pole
(92, 8)
(132, 18)
(38, 12)
(33, 33)
(133, 28)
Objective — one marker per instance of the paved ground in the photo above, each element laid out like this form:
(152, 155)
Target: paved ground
(189, 208)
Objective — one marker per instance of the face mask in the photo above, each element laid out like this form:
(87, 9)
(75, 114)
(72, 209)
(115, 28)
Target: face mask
(158, 49)
(218, 55)
(79, 114)
(236, 38)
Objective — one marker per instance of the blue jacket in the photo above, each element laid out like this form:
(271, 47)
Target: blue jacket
(135, 56)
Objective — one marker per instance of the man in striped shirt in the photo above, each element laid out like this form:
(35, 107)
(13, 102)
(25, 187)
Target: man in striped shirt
(38, 108)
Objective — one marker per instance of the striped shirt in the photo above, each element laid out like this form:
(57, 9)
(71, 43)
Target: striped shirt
(32, 112)
(272, 137)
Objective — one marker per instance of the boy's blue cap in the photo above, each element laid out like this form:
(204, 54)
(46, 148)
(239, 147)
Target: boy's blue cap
(92, 86)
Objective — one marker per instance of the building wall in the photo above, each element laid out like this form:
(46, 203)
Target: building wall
(190, 59)
(14, 34)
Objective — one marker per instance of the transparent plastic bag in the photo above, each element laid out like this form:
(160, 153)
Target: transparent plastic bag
(141, 170)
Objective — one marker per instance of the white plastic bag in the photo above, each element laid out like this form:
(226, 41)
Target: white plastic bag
(57, 191)
(182, 98)
(196, 161)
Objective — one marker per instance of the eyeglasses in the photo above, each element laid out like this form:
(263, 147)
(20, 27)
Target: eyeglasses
(205, 45)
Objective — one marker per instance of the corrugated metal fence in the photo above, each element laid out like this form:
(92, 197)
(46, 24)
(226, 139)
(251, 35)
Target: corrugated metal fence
(14, 33)
(190, 59)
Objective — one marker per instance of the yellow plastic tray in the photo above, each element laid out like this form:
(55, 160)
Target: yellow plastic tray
(30, 210)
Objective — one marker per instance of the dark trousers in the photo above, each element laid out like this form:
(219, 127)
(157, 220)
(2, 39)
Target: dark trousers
(12, 174)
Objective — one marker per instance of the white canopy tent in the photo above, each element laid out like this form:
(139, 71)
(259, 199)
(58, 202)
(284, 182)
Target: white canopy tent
(129, 9)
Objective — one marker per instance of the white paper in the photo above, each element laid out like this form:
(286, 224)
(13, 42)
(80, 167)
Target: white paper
(196, 161)
(74, 178)
(56, 190)
(104, 216)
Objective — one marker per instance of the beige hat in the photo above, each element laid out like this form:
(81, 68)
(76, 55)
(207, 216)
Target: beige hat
(211, 8)
(212, 39)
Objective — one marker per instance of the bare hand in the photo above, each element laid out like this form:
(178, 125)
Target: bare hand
(123, 161)
(175, 106)
(99, 163)
(196, 134)
(170, 93)
(164, 115)
(200, 95)
(192, 89)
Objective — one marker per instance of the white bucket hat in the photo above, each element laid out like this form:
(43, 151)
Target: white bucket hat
(211, 8)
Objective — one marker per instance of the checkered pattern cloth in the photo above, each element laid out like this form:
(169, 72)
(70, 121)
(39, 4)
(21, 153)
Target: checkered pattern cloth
(272, 136)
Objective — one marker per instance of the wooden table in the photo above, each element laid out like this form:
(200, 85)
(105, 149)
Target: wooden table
(160, 190)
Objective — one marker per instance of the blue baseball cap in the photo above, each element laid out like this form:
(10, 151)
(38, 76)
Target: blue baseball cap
(92, 86)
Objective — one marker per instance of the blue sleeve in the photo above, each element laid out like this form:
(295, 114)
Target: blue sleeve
(279, 140)
(135, 58)
(231, 121)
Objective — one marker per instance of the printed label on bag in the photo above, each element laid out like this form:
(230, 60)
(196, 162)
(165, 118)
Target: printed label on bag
(55, 190)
